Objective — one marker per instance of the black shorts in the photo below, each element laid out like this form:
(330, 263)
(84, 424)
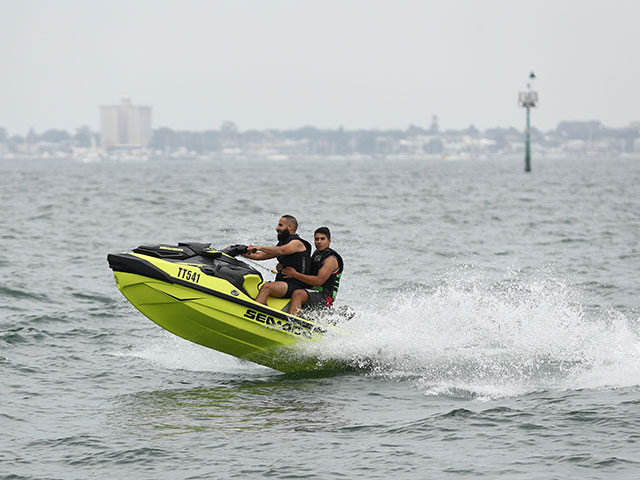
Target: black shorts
(292, 285)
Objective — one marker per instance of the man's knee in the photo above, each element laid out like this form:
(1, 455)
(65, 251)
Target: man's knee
(300, 296)
(274, 289)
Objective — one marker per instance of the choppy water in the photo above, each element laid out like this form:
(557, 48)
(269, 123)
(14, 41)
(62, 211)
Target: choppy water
(498, 320)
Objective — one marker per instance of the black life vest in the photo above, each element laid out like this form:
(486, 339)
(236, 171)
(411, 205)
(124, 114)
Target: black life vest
(329, 288)
(301, 261)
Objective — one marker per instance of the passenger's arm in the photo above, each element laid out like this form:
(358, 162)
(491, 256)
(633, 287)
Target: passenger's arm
(329, 266)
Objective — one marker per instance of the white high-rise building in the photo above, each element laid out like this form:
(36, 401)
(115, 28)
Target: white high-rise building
(125, 125)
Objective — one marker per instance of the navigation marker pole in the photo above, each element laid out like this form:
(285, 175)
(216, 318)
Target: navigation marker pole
(528, 99)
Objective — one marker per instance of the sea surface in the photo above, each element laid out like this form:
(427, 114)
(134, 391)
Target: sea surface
(497, 332)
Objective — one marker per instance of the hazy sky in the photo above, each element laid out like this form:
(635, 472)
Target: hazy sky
(286, 64)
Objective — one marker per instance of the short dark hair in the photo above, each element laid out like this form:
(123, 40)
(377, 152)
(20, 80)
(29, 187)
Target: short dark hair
(324, 231)
(291, 220)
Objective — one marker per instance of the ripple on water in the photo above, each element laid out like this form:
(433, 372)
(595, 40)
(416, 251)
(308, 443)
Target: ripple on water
(22, 335)
(93, 298)
(12, 294)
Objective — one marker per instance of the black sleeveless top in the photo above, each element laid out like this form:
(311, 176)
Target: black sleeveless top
(330, 288)
(301, 261)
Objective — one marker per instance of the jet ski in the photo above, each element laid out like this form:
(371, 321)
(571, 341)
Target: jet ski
(207, 296)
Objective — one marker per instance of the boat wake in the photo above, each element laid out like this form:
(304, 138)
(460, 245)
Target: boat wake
(495, 340)
(170, 352)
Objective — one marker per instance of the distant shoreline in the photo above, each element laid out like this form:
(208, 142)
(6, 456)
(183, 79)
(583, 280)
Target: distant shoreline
(569, 139)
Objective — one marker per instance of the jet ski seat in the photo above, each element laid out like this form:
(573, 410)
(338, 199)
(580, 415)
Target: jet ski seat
(232, 273)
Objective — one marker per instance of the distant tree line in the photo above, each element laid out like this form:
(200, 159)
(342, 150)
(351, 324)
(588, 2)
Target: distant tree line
(319, 141)
(83, 137)
(338, 141)
(341, 141)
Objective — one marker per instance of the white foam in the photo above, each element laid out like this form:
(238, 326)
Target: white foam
(490, 339)
(171, 352)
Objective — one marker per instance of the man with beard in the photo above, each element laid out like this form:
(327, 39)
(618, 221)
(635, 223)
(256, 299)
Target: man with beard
(292, 251)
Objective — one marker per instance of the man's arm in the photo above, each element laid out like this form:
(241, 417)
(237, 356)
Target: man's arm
(265, 253)
(256, 255)
(329, 266)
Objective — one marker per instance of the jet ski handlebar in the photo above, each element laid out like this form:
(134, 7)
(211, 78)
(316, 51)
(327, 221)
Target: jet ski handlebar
(235, 250)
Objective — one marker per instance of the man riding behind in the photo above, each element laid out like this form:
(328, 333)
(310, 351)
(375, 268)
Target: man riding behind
(324, 278)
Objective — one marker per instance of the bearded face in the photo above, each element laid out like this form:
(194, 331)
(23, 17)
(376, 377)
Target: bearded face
(283, 234)
(283, 229)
